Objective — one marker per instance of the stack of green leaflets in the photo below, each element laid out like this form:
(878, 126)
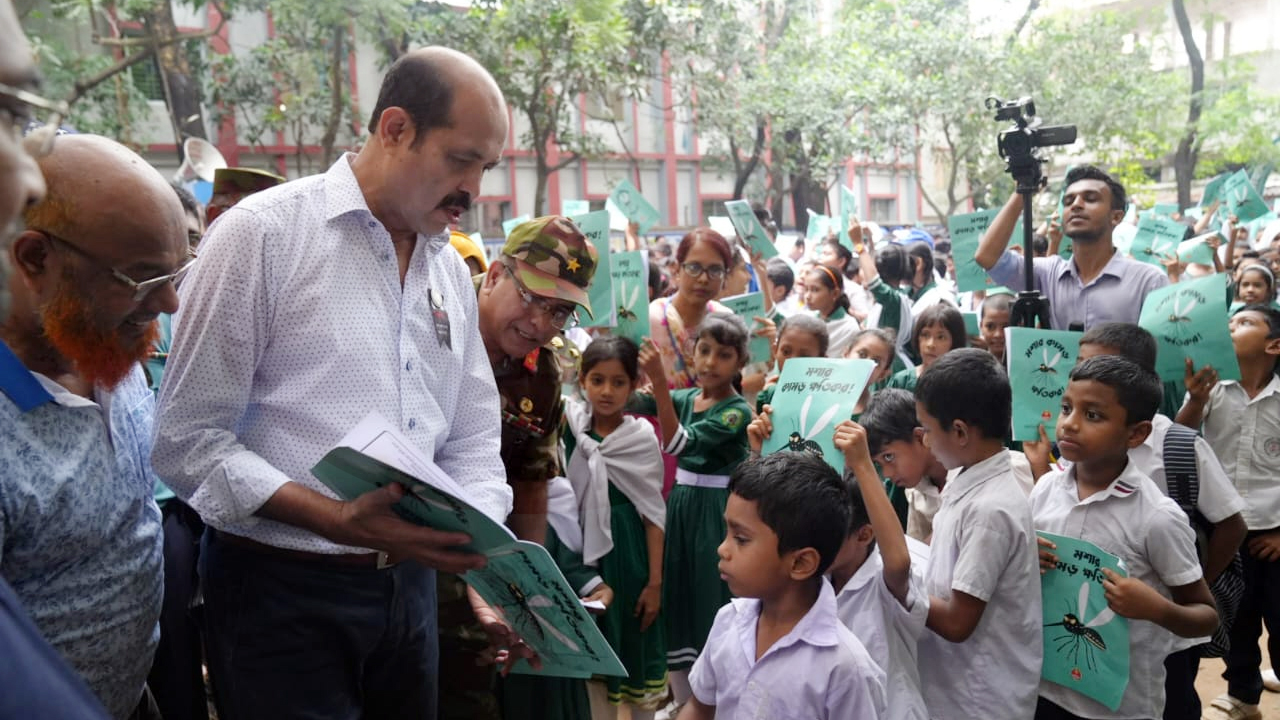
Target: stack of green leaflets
(520, 579)
(966, 230)
(1242, 199)
(1086, 644)
(572, 208)
(603, 312)
(509, 225)
(812, 397)
(1156, 238)
(750, 306)
(819, 226)
(1213, 190)
(1189, 320)
(633, 205)
(1039, 362)
(848, 211)
(1197, 250)
(749, 228)
(630, 274)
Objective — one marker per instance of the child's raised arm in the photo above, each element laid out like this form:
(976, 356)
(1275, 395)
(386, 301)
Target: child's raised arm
(851, 439)
(1199, 385)
(760, 429)
(651, 363)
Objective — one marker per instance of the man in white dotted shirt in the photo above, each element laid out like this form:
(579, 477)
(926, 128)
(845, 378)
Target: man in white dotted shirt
(317, 302)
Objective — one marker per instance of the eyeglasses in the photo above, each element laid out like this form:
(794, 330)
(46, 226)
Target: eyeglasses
(561, 317)
(140, 289)
(19, 105)
(695, 270)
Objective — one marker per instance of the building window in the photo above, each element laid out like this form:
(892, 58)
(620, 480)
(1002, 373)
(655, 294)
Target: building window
(884, 209)
(146, 77)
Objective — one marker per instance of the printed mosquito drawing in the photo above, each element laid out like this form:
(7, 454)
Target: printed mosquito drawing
(515, 604)
(1180, 318)
(802, 441)
(624, 308)
(1046, 376)
(1082, 635)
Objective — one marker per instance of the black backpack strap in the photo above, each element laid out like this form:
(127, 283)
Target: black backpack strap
(1181, 473)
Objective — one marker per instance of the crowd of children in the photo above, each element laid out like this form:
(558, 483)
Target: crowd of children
(910, 588)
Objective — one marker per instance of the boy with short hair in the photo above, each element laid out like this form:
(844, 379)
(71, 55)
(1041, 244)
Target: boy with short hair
(778, 650)
(982, 659)
(1217, 502)
(1241, 422)
(878, 596)
(1104, 499)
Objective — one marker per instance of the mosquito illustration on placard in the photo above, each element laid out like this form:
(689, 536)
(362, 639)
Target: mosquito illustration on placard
(1180, 318)
(624, 308)
(802, 441)
(1046, 376)
(516, 603)
(1082, 635)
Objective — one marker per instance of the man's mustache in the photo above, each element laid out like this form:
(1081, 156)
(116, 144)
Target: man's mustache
(458, 199)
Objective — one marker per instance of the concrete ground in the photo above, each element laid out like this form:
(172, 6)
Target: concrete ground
(1209, 685)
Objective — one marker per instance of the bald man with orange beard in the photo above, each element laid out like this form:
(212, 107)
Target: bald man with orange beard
(81, 535)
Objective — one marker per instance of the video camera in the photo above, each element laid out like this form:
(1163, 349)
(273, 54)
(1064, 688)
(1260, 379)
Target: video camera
(1019, 144)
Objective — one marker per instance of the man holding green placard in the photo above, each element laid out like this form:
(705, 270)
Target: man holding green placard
(1097, 284)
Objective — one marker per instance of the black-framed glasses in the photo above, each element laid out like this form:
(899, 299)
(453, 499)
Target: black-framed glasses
(695, 270)
(20, 106)
(140, 289)
(560, 316)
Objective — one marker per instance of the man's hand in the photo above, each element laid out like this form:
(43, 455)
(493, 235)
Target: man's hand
(648, 604)
(506, 648)
(759, 429)
(368, 521)
(1266, 546)
(1132, 598)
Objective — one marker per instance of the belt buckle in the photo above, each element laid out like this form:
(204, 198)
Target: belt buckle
(384, 560)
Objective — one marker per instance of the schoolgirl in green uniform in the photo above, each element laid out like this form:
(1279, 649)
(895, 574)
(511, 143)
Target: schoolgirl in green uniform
(801, 335)
(705, 427)
(615, 468)
(938, 330)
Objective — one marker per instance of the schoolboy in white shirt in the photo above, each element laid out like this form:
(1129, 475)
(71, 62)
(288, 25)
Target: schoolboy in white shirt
(778, 650)
(1103, 498)
(982, 658)
(1242, 424)
(878, 596)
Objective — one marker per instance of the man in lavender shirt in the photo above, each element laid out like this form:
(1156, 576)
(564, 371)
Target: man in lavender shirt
(1097, 284)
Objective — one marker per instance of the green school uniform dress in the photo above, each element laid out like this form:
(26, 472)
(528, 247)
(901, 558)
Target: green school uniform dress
(765, 397)
(905, 379)
(626, 570)
(714, 442)
(538, 697)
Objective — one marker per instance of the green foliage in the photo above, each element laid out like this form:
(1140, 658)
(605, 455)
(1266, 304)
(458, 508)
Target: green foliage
(112, 109)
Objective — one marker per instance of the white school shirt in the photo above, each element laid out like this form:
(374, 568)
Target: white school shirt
(1217, 499)
(1245, 434)
(818, 671)
(293, 327)
(984, 545)
(889, 632)
(925, 499)
(1134, 521)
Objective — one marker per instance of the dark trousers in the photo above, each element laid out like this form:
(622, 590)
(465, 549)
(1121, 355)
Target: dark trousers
(1181, 702)
(1046, 710)
(292, 638)
(1261, 603)
(176, 679)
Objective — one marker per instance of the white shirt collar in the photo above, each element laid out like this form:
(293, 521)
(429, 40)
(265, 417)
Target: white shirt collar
(975, 475)
(817, 627)
(1127, 483)
(1271, 388)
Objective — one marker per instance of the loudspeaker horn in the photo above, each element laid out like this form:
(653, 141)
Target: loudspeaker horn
(200, 160)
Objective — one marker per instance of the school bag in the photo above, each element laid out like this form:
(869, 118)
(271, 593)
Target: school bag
(1183, 480)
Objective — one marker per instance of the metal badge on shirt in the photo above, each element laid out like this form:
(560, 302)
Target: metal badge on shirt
(440, 319)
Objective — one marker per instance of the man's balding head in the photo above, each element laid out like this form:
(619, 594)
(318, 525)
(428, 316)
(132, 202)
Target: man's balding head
(424, 83)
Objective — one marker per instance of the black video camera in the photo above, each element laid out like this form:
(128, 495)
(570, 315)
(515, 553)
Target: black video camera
(1019, 144)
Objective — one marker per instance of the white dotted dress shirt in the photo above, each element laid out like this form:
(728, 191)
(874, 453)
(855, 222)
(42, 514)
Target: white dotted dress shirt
(293, 327)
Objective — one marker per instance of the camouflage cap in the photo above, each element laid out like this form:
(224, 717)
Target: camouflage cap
(243, 181)
(555, 260)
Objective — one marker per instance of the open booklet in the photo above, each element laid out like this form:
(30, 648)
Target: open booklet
(520, 581)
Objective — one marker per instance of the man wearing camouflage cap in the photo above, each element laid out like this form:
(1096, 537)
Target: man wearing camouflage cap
(231, 185)
(527, 297)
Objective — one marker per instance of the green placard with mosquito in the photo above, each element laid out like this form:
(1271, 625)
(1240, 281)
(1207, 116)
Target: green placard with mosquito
(1242, 198)
(1189, 320)
(749, 228)
(750, 306)
(812, 397)
(1086, 644)
(634, 206)
(966, 230)
(630, 273)
(595, 225)
(1039, 362)
(1157, 236)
